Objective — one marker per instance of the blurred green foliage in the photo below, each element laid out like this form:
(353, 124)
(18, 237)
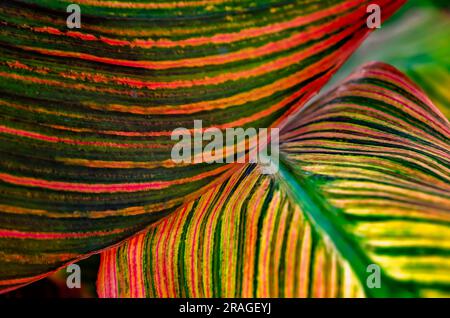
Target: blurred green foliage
(416, 41)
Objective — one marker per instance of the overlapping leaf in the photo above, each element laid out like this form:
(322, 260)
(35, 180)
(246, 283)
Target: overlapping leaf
(365, 179)
(86, 114)
(244, 238)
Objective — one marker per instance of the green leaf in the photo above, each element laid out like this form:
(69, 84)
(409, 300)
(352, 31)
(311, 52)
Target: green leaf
(364, 180)
(87, 114)
(415, 41)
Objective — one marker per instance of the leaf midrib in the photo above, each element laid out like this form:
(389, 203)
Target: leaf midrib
(324, 219)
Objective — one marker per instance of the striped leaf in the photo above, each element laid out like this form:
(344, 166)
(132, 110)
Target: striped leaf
(364, 181)
(86, 114)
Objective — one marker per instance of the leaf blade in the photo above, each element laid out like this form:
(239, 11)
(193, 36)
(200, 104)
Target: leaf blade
(87, 114)
(342, 176)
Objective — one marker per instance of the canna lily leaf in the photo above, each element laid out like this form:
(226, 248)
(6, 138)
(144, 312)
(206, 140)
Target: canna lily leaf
(86, 114)
(364, 181)
(243, 238)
